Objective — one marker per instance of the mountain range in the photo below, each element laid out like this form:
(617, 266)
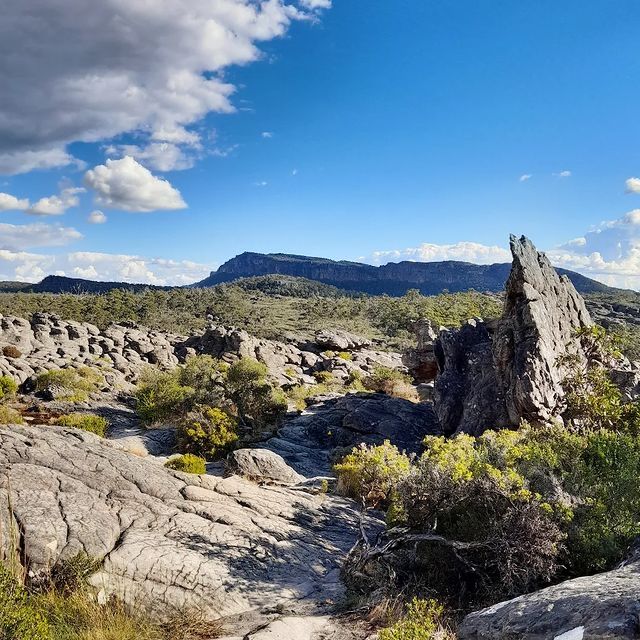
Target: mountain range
(393, 279)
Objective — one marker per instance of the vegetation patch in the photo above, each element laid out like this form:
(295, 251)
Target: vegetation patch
(187, 463)
(207, 432)
(72, 384)
(392, 382)
(86, 421)
(8, 388)
(9, 415)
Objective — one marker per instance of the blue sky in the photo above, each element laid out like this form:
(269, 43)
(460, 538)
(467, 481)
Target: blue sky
(413, 129)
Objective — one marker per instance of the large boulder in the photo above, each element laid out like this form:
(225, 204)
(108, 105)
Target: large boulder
(600, 607)
(262, 465)
(494, 375)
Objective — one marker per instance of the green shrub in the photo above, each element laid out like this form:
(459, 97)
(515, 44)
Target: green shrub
(161, 396)
(345, 355)
(8, 415)
(8, 387)
(392, 382)
(371, 473)
(77, 383)
(258, 402)
(71, 574)
(324, 377)
(20, 617)
(187, 463)
(85, 421)
(424, 620)
(207, 431)
(206, 376)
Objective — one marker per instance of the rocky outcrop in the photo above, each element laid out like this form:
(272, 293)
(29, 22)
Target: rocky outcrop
(168, 540)
(293, 362)
(599, 607)
(421, 361)
(311, 442)
(494, 375)
(46, 342)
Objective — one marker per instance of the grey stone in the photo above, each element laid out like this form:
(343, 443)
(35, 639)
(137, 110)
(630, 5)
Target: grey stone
(262, 465)
(600, 607)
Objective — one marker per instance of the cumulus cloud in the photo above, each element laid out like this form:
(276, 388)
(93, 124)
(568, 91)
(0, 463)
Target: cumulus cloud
(632, 185)
(126, 184)
(101, 69)
(161, 156)
(563, 174)
(267, 134)
(464, 251)
(56, 205)
(17, 237)
(96, 217)
(11, 203)
(32, 267)
(609, 253)
(316, 4)
(525, 176)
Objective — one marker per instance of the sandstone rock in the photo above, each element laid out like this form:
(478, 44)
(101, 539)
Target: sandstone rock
(170, 540)
(493, 375)
(604, 606)
(340, 340)
(262, 465)
(421, 361)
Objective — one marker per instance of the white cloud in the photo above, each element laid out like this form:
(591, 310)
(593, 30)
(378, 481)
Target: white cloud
(633, 185)
(32, 267)
(96, 217)
(56, 205)
(161, 156)
(525, 176)
(609, 253)
(563, 174)
(126, 184)
(316, 4)
(267, 134)
(102, 69)
(11, 203)
(465, 251)
(261, 183)
(17, 237)
(294, 172)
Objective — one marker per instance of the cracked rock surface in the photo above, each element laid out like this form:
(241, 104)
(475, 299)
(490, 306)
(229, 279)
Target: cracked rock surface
(603, 606)
(170, 540)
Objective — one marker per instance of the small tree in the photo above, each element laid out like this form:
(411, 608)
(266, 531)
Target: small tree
(257, 402)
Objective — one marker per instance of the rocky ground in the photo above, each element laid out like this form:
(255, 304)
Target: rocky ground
(257, 541)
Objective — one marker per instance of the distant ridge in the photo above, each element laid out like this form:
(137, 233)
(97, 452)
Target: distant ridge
(393, 279)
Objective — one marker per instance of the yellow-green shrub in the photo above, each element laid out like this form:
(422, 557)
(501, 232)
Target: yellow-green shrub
(86, 421)
(76, 382)
(207, 431)
(424, 620)
(8, 387)
(371, 473)
(187, 463)
(8, 415)
(161, 396)
(20, 617)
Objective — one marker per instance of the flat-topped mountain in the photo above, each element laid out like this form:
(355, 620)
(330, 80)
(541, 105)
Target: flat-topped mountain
(393, 278)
